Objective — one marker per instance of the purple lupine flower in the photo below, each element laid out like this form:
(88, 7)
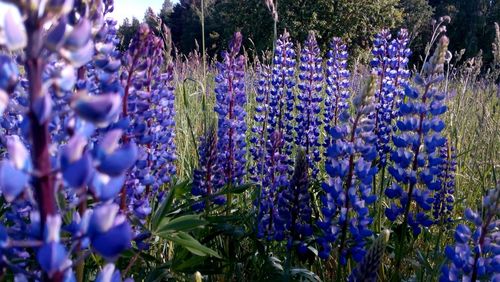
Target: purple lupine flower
(475, 255)
(293, 222)
(109, 273)
(148, 115)
(259, 131)
(443, 198)
(337, 90)
(416, 159)
(348, 190)
(205, 177)
(230, 107)
(69, 88)
(308, 108)
(282, 99)
(268, 223)
(164, 148)
(390, 63)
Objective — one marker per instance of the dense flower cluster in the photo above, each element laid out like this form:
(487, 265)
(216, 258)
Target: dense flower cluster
(206, 175)
(476, 253)
(348, 190)
(230, 107)
(270, 223)
(282, 99)
(416, 157)
(60, 103)
(230, 104)
(270, 169)
(148, 116)
(444, 197)
(390, 60)
(337, 90)
(294, 208)
(308, 107)
(87, 149)
(261, 122)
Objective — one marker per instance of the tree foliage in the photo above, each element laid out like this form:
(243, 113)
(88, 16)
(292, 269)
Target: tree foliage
(356, 21)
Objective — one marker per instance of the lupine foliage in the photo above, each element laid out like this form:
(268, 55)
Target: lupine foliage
(89, 154)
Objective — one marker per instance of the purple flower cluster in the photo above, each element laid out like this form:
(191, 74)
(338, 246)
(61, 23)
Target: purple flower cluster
(337, 90)
(273, 142)
(476, 253)
(270, 224)
(205, 175)
(53, 151)
(282, 99)
(148, 117)
(443, 198)
(348, 189)
(390, 60)
(308, 122)
(230, 107)
(416, 157)
(229, 170)
(294, 208)
(259, 132)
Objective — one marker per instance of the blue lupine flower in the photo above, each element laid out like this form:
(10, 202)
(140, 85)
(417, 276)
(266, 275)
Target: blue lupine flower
(417, 161)
(9, 73)
(205, 177)
(294, 208)
(55, 157)
(275, 178)
(475, 255)
(262, 119)
(390, 63)
(52, 256)
(109, 232)
(348, 189)
(337, 90)
(148, 116)
(282, 97)
(443, 198)
(109, 273)
(230, 107)
(308, 108)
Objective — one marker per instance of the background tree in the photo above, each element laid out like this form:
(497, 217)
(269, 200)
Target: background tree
(126, 32)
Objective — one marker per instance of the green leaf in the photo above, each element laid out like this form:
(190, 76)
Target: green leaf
(236, 190)
(182, 223)
(304, 274)
(188, 264)
(166, 205)
(189, 242)
(159, 274)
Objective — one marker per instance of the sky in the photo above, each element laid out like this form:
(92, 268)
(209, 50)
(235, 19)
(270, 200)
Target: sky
(135, 8)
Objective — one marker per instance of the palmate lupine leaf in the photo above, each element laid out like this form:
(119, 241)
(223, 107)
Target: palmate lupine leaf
(190, 243)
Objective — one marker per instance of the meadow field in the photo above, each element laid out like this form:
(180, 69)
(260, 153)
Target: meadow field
(137, 162)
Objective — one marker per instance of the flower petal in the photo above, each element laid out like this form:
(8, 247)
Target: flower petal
(14, 30)
(98, 109)
(119, 161)
(52, 257)
(110, 244)
(77, 174)
(105, 187)
(12, 181)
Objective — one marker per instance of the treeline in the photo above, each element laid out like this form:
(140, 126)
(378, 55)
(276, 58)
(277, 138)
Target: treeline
(471, 28)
